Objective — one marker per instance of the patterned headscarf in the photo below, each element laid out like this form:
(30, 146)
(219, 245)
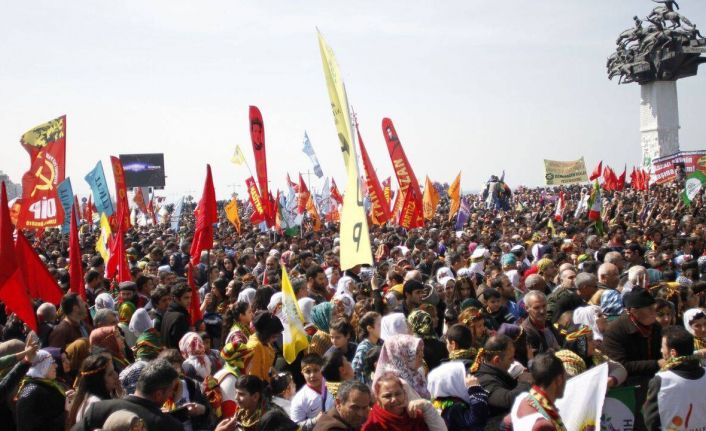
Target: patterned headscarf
(573, 363)
(588, 316)
(148, 345)
(422, 323)
(40, 365)
(194, 352)
(392, 325)
(105, 337)
(76, 352)
(398, 356)
(235, 354)
(104, 300)
(321, 315)
(125, 312)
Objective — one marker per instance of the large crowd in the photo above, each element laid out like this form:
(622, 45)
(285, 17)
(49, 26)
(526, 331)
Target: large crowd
(470, 329)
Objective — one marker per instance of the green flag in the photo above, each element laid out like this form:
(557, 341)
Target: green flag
(692, 186)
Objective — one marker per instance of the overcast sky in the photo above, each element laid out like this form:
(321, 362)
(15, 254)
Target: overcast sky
(471, 86)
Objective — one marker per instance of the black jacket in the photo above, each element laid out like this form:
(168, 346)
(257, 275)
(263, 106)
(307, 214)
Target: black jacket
(501, 387)
(8, 388)
(175, 324)
(149, 412)
(639, 355)
(690, 370)
(40, 407)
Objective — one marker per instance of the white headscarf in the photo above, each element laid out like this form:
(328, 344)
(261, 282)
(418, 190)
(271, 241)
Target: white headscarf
(104, 300)
(689, 316)
(587, 316)
(448, 380)
(305, 305)
(343, 285)
(393, 324)
(40, 365)
(275, 300)
(140, 322)
(247, 295)
(193, 350)
(348, 302)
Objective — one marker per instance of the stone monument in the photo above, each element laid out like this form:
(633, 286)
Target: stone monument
(655, 53)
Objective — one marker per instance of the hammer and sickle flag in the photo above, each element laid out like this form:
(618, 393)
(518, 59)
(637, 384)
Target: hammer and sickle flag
(46, 145)
(355, 240)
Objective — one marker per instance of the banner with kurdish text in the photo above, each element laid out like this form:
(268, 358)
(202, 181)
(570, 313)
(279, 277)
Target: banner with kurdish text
(564, 172)
(99, 187)
(665, 168)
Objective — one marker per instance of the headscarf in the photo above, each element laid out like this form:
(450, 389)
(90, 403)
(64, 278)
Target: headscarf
(344, 284)
(105, 337)
(448, 380)
(347, 301)
(275, 300)
(306, 305)
(247, 295)
(104, 300)
(393, 324)
(40, 365)
(125, 312)
(285, 258)
(576, 340)
(121, 420)
(148, 345)
(234, 355)
(587, 316)
(380, 418)
(194, 352)
(76, 352)
(422, 323)
(689, 316)
(321, 315)
(140, 322)
(573, 364)
(398, 356)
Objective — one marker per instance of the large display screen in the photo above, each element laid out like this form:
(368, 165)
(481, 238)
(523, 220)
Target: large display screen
(143, 170)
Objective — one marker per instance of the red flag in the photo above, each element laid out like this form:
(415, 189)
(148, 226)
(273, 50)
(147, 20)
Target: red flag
(258, 215)
(150, 210)
(121, 191)
(633, 179)
(117, 264)
(139, 199)
(257, 136)
(403, 170)
(387, 190)
(620, 183)
(379, 208)
(610, 181)
(12, 286)
(560, 205)
(195, 309)
(292, 184)
(303, 196)
(206, 215)
(89, 211)
(597, 171)
(335, 194)
(75, 268)
(409, 215)
(37, 278)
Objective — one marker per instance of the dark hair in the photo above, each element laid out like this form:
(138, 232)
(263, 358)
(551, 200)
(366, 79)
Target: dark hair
(461, 335)
(312, 359)
(179, 290)
(141, 281)
(491, 293)
(252, 385)
(220, 285)
(371, 358)
(171, 355)
(91, 381)
(395, 277)
(495, 345)
(91, 275)
(679, 339)
(333, 361)
(157, 294)
(546, 368)
(349, 386)
(68, 302)
(313, 271)
(262, 297)
(233, 313)
(158, 374)
(342, 326)
(368, 319)
(279, 382)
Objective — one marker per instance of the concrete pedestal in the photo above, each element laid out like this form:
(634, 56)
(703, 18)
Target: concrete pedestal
(659, 120)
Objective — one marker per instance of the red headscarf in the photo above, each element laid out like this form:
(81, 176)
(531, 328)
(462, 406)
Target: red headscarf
(382, 420)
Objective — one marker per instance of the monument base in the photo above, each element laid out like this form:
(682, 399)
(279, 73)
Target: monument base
(659, 120)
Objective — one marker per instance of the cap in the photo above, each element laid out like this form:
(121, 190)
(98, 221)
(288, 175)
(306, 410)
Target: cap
(638, 298)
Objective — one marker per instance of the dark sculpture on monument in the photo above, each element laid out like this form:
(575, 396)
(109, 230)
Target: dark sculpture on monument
(657, 51)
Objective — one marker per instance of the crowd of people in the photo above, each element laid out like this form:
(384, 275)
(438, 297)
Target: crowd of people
(471, 329)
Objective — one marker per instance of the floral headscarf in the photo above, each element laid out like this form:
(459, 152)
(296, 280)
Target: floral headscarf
(398, 356)
(422, 323)
(690, 315)
(40, 365)
(194, 352)
(392, 325)
(321, 315)
(105, 338)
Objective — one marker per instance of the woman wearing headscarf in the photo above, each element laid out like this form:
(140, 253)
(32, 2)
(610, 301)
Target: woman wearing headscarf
(321, 318)
(40, 400)
(403, 355)
(593, 317)
(139, 323)
(247, 295)
(393, 324)
(63, 367)
(108, 338)
(147, 348)
(695, 323)
(76, 352)
(125, 312)
(423, 327)
(579, 354)
(458, 396)
(197, 364)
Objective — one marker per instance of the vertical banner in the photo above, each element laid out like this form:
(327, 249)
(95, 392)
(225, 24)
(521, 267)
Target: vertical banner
(101, 192)
(176, 215)
(66, 197)
(380, 210)
(46, 145)
(257, 135)
(121, 191)
(403, 170)
(355, 239)
(309, 151)
(258, 215)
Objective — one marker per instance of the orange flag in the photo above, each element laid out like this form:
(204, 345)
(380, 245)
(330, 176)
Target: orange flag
(431, 199)
(455, 195)
(311, 209)
(231, 210)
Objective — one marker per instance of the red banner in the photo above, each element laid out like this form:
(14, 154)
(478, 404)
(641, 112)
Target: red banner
(258, 215)
(380, 210)
(335, 194)
(665, 168)
(303, 195)
(257, 135)
(46, 145)
(121, 191)
(410, 213)
(387, 190)
(403, 170)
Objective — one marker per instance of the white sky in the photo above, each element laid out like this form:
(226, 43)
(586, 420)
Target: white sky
(471, 86)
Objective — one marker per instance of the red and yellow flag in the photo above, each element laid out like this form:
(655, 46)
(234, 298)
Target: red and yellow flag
(121, 190)
(403, 170)
(380, 210)
(258, 215)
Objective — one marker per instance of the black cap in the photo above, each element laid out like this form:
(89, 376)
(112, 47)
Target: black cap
(127, 285)
(412, 285)
(638, 298)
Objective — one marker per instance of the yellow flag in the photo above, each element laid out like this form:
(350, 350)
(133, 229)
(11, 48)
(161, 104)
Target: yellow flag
(455, 195)
(355, 240)
(231, 209)
(238, 157)
(102, 243)
(294, 337)
(431, 199)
